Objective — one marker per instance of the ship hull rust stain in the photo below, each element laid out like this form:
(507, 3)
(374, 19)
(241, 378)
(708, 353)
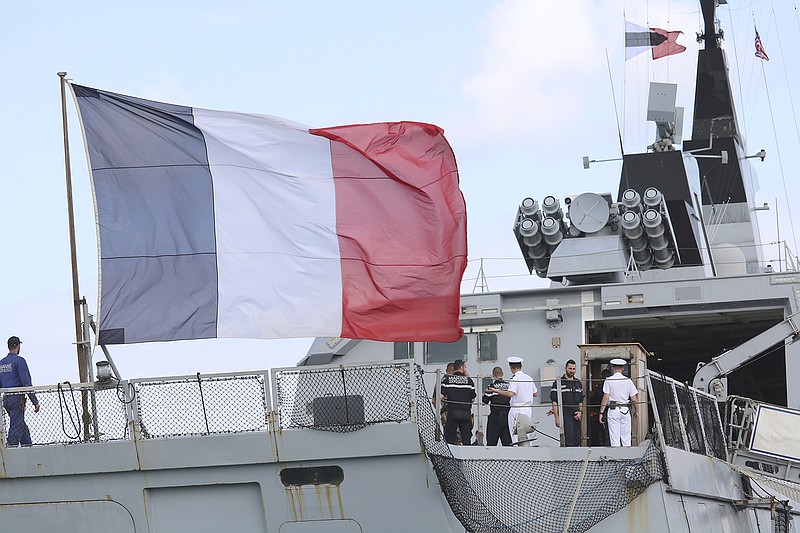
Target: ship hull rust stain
(328, 498)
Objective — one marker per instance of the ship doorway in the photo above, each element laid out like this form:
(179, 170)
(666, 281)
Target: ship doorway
(676, 343)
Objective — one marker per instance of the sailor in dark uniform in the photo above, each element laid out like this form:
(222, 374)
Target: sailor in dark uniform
(497, 423)
(599, 435)
(572, 397)
(458, 390)
(443, 412)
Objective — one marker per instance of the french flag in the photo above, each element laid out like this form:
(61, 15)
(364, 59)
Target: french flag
(219, 224)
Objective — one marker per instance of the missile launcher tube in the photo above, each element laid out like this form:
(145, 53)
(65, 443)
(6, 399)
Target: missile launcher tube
(530, 209)
(631, 199)
(551, 230)
(652, 197)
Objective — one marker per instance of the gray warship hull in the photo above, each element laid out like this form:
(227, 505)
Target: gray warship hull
(356, 448)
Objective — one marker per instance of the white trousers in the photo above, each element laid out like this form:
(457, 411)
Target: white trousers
(619, 426)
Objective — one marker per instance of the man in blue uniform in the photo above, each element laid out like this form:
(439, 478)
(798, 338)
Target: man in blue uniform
(14, 373)
(497, 423)
(572, 397)
(459, 392)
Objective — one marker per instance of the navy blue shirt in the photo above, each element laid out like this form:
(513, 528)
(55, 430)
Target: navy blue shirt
(499, 403)
(459, 390)
(571, 391)
(14, 373)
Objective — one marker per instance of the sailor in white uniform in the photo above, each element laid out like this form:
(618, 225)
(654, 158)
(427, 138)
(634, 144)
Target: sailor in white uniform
(522, 390)
(619, 394)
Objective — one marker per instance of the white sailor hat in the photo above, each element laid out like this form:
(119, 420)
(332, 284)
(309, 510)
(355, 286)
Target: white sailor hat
(618, 362)
(514, 359)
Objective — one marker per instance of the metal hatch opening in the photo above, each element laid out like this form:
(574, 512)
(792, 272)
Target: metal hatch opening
(677, 342)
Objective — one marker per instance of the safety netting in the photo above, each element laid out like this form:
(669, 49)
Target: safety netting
(524, 496)
(688, 418)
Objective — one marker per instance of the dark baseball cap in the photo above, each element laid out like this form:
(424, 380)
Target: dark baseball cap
(13, 341)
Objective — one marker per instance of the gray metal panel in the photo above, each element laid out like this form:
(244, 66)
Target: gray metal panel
(226, 462)
(330, 346)
(317, 359)
(702, 476)
(201, 508)
(661, 101)
(652, 511)
(46, 461)
(321, 526)
(98, 516)
(481, 309)
(384, 439)
(755, 291)
(210, 450)
(591, 255)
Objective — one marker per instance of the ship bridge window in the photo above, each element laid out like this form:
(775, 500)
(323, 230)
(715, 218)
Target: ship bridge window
(446, 352)
(313, 475)
(487, 347)
(404, 350)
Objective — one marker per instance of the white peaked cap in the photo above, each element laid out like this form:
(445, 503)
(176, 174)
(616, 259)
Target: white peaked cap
(618, 362)
(515, 359)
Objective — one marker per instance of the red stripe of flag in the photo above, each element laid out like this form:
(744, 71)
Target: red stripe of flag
(669, 46)
(401, 222)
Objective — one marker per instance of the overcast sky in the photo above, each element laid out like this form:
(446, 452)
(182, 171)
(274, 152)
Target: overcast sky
(522, 89)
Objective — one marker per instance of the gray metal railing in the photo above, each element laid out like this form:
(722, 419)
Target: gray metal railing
(686, 418)
(336, 398)
(344, 398)
(151, 408)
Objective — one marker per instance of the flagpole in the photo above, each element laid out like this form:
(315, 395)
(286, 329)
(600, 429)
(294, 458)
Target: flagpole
(76, 300)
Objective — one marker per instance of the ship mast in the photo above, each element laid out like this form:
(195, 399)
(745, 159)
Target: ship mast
(710, 36)
(727, 185)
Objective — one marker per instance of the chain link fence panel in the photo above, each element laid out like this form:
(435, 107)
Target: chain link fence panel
(343, 399)
(669, 416)
(712, 423)
(685, 411)
(201, 405)
(60, 419)
(691, 420)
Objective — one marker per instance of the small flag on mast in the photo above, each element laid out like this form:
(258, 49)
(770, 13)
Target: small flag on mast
(660, 42)
(760, 52)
